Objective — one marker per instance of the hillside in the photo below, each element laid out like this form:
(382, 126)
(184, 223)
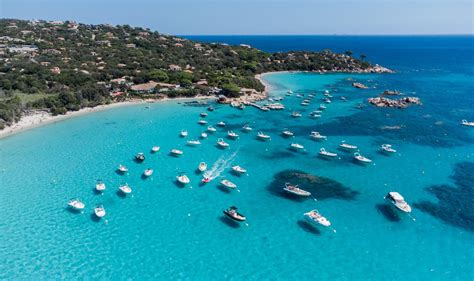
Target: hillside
(64, 66)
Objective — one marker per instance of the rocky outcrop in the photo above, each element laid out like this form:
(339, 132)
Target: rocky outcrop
(400, 103)
(359, 85)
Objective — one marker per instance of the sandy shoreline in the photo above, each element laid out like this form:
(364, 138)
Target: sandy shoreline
(40, 118)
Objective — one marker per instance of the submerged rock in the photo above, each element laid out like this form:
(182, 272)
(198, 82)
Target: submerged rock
(391, 93)
(359, 85)
(320, 187)
(455, 204)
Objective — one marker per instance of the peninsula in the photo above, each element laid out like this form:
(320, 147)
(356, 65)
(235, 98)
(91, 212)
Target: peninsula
(55, 67)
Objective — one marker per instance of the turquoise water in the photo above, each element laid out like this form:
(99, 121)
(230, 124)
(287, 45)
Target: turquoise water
(165, 231)
(169, 232)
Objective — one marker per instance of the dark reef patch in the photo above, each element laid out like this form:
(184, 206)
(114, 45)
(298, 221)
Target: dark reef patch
(320, 187)
(455, 205)
(407, 126)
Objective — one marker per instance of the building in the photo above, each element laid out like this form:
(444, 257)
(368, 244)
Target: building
(144, 88)
(174, 67)
(56, 70)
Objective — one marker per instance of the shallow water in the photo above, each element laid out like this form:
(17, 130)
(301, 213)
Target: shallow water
(166, 231)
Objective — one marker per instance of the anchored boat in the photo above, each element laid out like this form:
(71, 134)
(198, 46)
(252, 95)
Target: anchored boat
(294, 189)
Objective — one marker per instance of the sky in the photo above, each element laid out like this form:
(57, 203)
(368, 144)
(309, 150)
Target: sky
(259, 17)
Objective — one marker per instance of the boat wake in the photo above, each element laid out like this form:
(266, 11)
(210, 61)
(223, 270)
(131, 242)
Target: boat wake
(219, 166)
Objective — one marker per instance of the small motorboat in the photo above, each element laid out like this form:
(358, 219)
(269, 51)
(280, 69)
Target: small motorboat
(326, 100)
(99, 211)
(125, 189)
(294, 189)
(315, 217)
(398, 201)
(314, 114)
(327, 154)
(387, 148)
(241, 106)
(287, 133)
(184, 133)
(148, 172)
(299, 95)
(193, 142)
(183, 179)
(295, 114)
(203, 114)
(239, 170)
(202, 167)
(233, 214)
(228, 183)
(290, 92)
(100, 186)
(317, 136)
(304, 103)
(122, 169)
(262, 136)
(155, 149)
(221, 124)
(203, 135)
(247, 128)
(232, 135)
(296, 146)
(206, 179)
(311, 95)
(176, 152)
(210, 108)
(346, 146)
(361, 159)
(222, 143)
(467, 123)
(140, 157)
(343, 98)
(322, 107)
(211, 129)
(76, 204)
(202, 122)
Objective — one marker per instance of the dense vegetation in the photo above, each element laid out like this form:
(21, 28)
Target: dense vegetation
(69, 66)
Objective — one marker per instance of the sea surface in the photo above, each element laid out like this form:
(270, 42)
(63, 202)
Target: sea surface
(167, 231)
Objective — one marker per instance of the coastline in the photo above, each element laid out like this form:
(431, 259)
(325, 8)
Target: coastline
(40, 118)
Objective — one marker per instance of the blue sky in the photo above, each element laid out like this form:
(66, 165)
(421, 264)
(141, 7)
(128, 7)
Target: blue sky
(259, 16)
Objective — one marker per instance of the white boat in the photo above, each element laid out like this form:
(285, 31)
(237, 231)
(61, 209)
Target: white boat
(183, 179)
(211, 129)
(361, 158)
(347, 146)
(296, 146)
(176, 152)
(239, 169)
(327, 154)
(76, 204)
(304, 103)
(290, 92)
(202, 167)
(203, 114)
(148, 172)
(315, 217)
(295, 114)
(398, 201)
(233, 214)
(467, 123)
(222, 143)
(99, 211)
(294, 189)
(287, 133)
(299, 95)
(202, 122)
(228, 184)
(317, 136)
(247, 128)
(155, 149)
(343, 98)
(262, 136)
(100, 186)
(193, 142)
(184, 133)
(122, 169)
(314, 114)
(203, 135)
(322, 107)
(125, 189)
(387, 148)
(221, 124)
(232, 135)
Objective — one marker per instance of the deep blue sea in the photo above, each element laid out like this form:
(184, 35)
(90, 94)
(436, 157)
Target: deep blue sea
(165, 231)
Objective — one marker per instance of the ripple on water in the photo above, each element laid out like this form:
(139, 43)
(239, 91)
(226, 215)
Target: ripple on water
(455, 205)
